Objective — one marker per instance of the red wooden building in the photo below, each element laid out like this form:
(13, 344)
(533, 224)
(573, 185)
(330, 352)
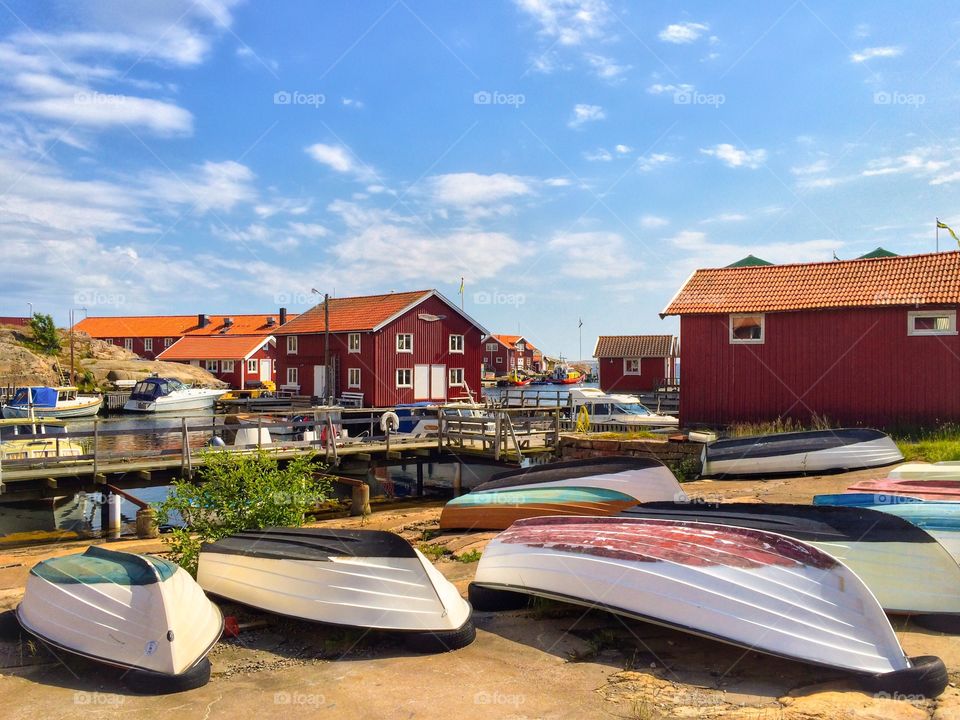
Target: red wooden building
(238, 361)
(395, 348)
(635, 363)
(860, 342)
(502, 354)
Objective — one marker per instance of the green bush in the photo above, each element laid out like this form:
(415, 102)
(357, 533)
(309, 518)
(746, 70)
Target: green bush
(46, 339)
(237, 492)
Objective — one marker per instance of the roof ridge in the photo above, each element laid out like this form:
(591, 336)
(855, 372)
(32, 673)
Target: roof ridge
(769, 268)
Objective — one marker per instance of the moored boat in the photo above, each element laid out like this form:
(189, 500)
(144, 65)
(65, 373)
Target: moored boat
(813, 451)
(136, 612)
(562, 375)
(595, 486)
(168, 395)
(905, 567)
(36, 439)
(358, 578)
(51, 403)
(754, 589)
(948, 490)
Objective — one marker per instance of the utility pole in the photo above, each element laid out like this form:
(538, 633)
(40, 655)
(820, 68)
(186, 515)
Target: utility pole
(326, 347)
(580, 331)
(73, 378)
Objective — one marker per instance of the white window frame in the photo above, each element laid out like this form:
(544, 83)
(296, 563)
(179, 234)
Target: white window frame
(351, 337)
(408, 373)
(451, 343)
(128, 344)
(626, 366)
(499, 360)
(293, 376)
(292, 345)
(109, 341)
(402, 346)
(492, 347)
(167, 342)
(352, 373)
(148, 344)
(748, 341)
(451, 373)
(212, 366)
(912, 315)
(253, 366)
(227, 366)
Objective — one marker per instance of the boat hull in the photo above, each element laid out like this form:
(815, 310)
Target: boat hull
(179, 404)
(946, 490)
(926, 471)
(757, 590)
(87, 409)
(800, 453)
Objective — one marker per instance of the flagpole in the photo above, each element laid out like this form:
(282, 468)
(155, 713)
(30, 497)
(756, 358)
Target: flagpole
(937, 224)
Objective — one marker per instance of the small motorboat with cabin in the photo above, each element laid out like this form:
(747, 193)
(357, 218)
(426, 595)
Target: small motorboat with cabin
(33, 439)
(358, 578)
(617, 409)
(754, 589)
(903, 565)
(595, 486)
(563, 375)
(156, 394)
(139, 613)
(51, 402)
(798, 453)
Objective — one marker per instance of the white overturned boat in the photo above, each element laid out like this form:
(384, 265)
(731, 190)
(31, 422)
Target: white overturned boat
(169, 395)
(59, 403)
(926, 471)
(755, 589)
(136, 612)
(905, 567)
(360, 578)
(797, 453)
(595, 486)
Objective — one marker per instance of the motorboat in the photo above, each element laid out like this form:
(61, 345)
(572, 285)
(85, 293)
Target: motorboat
(36, 439)
(139, 613)
(798, 453)
(563, 375)
(758, 590)
(617, 409)
(359, 578)
(595, 486)
(157, 394)
(51, 402)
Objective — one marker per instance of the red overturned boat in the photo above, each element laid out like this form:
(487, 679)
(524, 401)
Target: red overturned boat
(944, 490)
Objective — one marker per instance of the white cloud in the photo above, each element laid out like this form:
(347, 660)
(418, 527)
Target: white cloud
(569, 22)
(683, 33)
(341, 159)
(605, 67)
(598, 155)
(585, 113)
(725, 217)
(210, 186)
(697, 250)
(471, 189)
(875, 52)
(623, 149)
(645, 163)
(653, 221)
(557, 182)
(88, 108)
(670, 88)
(352, 103)
(593, 255)
(814, 168)
(917, 162)
(735, 157)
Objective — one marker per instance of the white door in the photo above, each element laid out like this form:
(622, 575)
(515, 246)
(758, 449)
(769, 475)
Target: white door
(320, 381)
(438, 382)
(265, 370)
(421, 382)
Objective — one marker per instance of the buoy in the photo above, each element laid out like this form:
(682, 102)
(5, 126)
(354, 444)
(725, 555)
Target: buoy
(389, 421)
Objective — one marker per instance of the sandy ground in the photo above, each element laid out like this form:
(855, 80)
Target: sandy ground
(549, 662)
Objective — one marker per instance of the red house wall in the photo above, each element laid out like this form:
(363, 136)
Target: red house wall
(613, 379)
(240, 373)
(856, 367)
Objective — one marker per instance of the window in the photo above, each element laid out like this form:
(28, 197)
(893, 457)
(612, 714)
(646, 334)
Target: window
(293, 376)
(252, 365)
(932, 322)
(353, 342)
(456, 343)
(353, 377)
(109, 341)
(746, 329)
(631, 366)
(404, 342)
(499, 361)
(404, 377)
(148, 344)
(456, 376)
(211, 365)
(167, 342)
(128, 344)
(226, 366)
(291, 344)
(491, 347)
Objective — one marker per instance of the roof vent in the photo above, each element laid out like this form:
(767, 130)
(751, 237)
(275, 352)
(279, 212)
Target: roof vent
(228, 321)
(271, 321)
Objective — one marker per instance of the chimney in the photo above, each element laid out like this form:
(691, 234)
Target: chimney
(202, 320)
(228, 321)
(283, 316)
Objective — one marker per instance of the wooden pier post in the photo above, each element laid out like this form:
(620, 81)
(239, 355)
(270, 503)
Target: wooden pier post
(496, 434)
(457, 479)
(419, 478)
(360, 496)
(96, 443)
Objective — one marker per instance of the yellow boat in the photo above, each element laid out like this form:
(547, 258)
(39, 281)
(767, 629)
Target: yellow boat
(16, 442)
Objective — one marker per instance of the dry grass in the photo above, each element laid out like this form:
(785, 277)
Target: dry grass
(780, 425)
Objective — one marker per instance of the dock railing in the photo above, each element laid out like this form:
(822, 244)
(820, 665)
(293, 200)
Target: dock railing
(504, 433)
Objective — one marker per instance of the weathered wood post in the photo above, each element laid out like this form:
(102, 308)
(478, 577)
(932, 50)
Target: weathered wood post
(360, 499)
(96, 443)
(259, 432)
(457, 479)
(419, 478)
(496, 434)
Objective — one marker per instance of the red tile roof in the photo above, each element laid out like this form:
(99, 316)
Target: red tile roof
(635, 346)
(221, 347)
(509, 340)
(930, 279)
(177, 325)
(353, 314)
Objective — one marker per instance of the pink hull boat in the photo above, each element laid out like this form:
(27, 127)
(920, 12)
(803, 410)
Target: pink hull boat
(948, 490)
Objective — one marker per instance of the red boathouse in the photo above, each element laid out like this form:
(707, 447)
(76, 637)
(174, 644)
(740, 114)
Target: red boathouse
(860, 342)
(635, 363)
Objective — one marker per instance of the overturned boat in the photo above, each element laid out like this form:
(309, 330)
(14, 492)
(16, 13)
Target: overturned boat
(946, 490)
(359, 578)
(907, 570)
(754, 589)
(797, 453)
(136, 612)
(596, 486)
(948, 470)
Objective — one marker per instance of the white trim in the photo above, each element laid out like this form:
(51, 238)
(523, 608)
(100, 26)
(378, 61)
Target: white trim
(296, 345)
(747, 341)
(148, 347)
(225, 368)
(168, 342)
(450, 382)
(211, 366)
(396, 343)
(296, 376)
(463, 343)
(427, 296)
(255, 369)
(128, 344)
(686, 282)
(350, 336)
(912, 315)
(268, 339)
(396, 377)
(639, 362)
(350, 383)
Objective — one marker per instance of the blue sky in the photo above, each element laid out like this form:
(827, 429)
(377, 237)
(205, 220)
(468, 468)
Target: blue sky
(569, 158)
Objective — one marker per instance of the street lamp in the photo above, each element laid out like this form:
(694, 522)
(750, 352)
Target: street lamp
(31, 309)
(327, 375)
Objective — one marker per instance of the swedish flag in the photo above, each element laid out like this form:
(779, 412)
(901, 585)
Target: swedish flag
(944, 226)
